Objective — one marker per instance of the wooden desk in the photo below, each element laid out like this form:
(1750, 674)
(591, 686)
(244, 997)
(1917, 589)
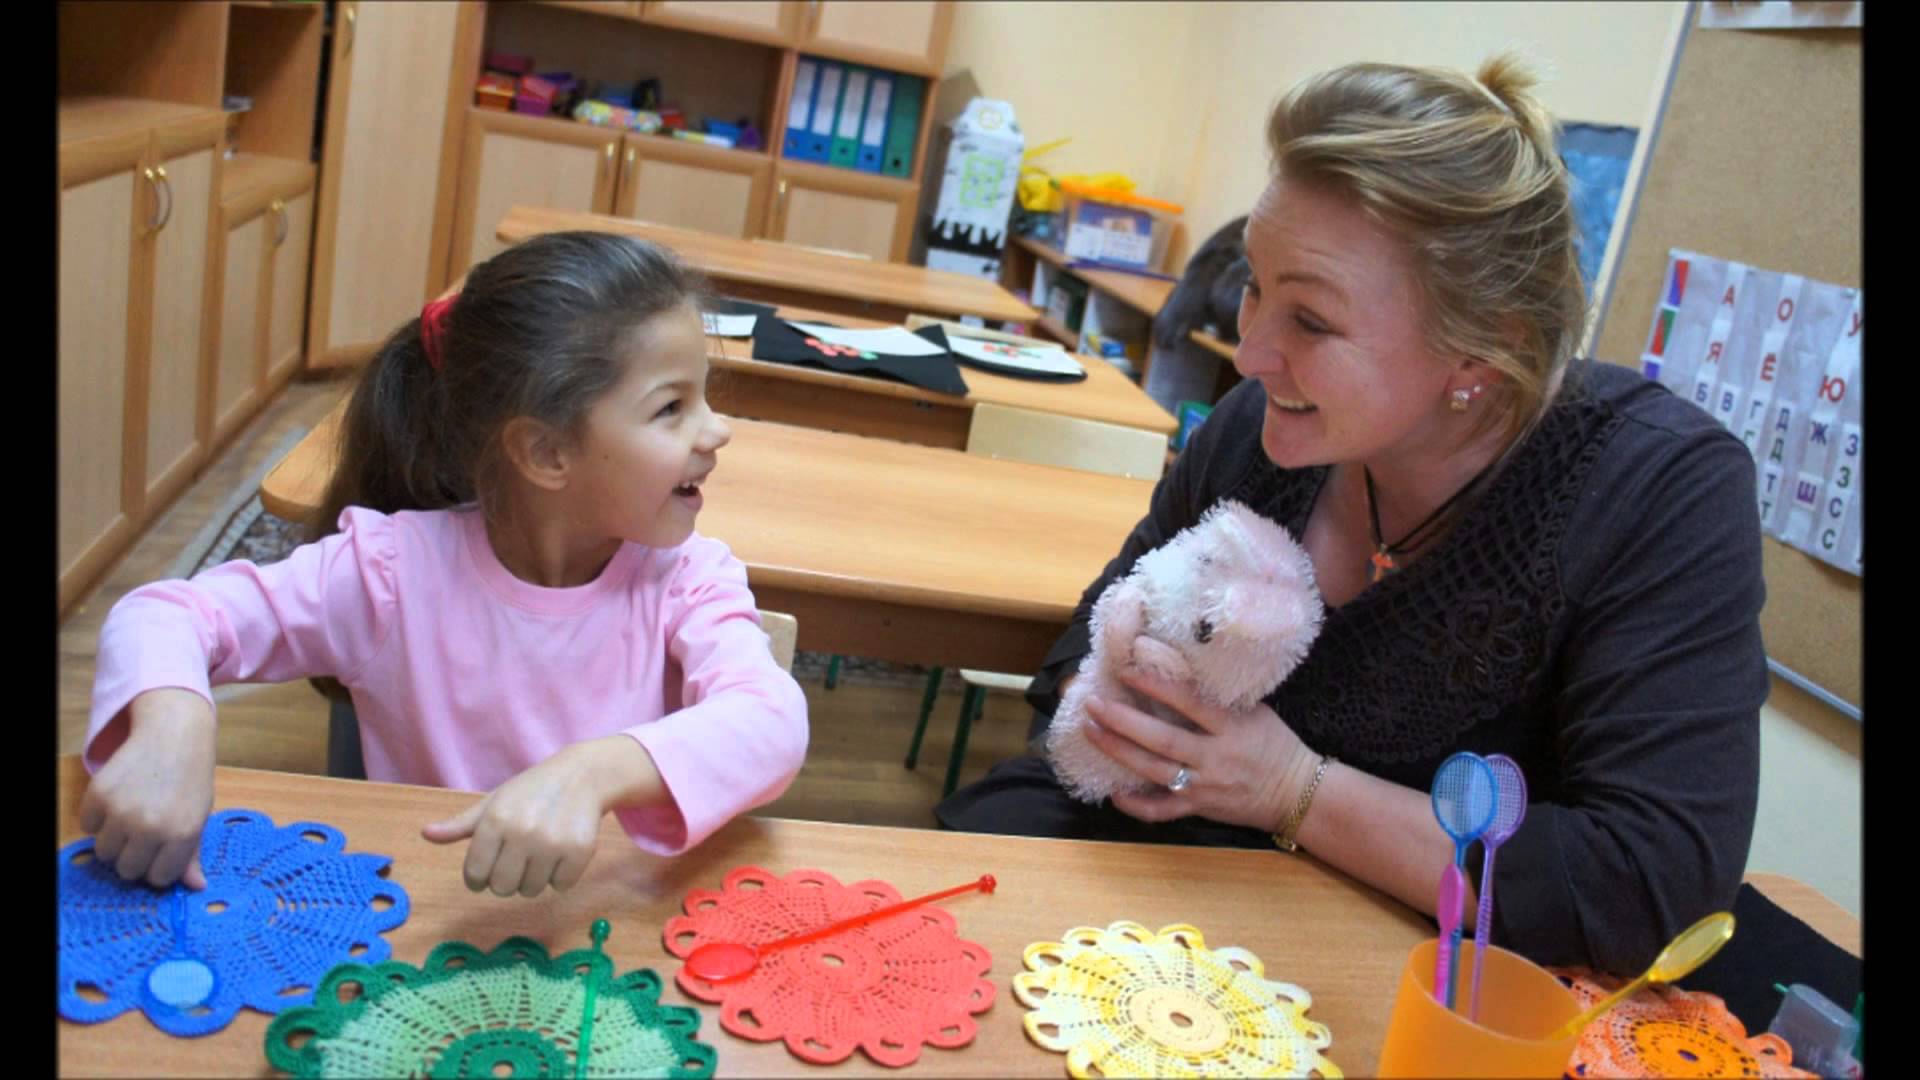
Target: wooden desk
(1259, 900)
(904, 553)
(1212, 344)
(883, 408)
(777, 273)
(1811, 906)
(1255, 899)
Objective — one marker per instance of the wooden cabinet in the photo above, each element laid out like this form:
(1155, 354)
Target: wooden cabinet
(770, 22)
(538, 161)
(104, 203)
(184, 163)
(905, 35)
(394, 70)
(262, 299)
(668, 182)
(512, 159)
(237, 374)
(857, 213)
(292, 245)
(626, 9)
(135, 210)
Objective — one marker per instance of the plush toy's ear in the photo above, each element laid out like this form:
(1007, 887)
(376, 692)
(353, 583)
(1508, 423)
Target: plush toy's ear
(1233, 541)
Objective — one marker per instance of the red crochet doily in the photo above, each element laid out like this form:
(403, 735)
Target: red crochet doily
(1663, 1031)
(886, 987)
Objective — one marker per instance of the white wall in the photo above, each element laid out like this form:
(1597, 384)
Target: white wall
(1810, 795)
(1095, 72)
(1598, 62)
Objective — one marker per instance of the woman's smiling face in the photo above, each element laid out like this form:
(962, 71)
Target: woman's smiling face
(1330, 325)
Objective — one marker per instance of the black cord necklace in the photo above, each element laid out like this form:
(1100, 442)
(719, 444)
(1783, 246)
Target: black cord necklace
(1383, 553)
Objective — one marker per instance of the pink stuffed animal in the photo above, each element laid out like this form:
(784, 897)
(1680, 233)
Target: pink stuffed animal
(1230, 608)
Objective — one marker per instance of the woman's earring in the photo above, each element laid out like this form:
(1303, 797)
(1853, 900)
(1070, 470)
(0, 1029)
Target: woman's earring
(1461, 398)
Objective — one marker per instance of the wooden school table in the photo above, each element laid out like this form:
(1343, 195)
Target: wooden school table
(1343, 942)
(886, 409)
(776, 273)
(910, 554)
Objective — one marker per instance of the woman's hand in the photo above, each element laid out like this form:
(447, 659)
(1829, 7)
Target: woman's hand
(1242, 767)
(541, 827)
(147, 805)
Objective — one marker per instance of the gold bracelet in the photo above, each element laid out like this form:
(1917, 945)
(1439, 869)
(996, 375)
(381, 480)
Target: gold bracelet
(1284, 838)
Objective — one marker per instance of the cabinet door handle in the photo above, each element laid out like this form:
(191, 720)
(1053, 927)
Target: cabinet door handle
(280, 223)
(153, 223)
(163, 210)
(346, 47)
(780, 210)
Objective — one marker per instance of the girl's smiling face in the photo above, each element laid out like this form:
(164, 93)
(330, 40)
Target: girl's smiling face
(650, 441)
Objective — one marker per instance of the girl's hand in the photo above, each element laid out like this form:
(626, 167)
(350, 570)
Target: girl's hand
(147, 805)
(1244, 768)
(541, 827)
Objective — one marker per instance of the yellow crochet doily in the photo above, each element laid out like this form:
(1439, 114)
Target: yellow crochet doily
(1129, 1002)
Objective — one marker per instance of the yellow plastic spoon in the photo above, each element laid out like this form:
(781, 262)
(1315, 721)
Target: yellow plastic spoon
(1695, 946)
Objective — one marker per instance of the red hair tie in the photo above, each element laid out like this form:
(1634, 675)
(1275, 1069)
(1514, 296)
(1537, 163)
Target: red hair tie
(433, 328)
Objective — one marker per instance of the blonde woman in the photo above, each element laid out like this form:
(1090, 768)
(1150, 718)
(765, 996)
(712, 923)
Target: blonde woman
(1520, 552)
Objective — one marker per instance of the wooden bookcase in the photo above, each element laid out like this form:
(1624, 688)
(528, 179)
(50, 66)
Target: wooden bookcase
(725, 60)
(158, 362)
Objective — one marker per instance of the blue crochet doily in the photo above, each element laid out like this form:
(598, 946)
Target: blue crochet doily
(281, 908)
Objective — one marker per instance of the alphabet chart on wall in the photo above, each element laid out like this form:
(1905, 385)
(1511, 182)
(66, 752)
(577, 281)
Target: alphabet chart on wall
(1775, 358)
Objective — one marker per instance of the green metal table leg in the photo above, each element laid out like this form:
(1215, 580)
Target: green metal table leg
(926, 709)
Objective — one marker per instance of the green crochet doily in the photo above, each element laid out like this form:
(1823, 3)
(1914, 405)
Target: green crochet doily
(466, 1013)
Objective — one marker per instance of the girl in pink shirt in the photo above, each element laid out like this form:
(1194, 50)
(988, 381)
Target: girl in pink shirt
(513, 592)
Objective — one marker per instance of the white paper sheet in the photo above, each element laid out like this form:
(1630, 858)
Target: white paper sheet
(730, 325)
(1778, 15)
(1000, 354)
(891, 340)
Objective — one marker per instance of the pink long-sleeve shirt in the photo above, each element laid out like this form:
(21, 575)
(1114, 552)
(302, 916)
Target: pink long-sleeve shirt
(463, 675)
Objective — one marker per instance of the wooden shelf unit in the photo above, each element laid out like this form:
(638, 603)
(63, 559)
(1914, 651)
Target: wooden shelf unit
(145, 350)
(724, 62)
(273, 57)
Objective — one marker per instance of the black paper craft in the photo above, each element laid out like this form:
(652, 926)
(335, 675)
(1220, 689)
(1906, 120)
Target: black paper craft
(1770, 946)
(774, 340)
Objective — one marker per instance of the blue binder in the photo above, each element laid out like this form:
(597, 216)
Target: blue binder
(800, 110)
(818, 145)
(873, 133)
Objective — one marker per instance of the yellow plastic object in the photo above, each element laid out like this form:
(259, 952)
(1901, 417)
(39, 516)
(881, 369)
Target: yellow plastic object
(1695, 946)
(1092, 189)
(1520, 1003)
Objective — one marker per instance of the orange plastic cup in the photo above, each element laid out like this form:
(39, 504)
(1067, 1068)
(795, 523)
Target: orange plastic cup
(1520, 1005)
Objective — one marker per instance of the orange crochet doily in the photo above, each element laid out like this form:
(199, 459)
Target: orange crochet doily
(1663, 1031)
(885, 988)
